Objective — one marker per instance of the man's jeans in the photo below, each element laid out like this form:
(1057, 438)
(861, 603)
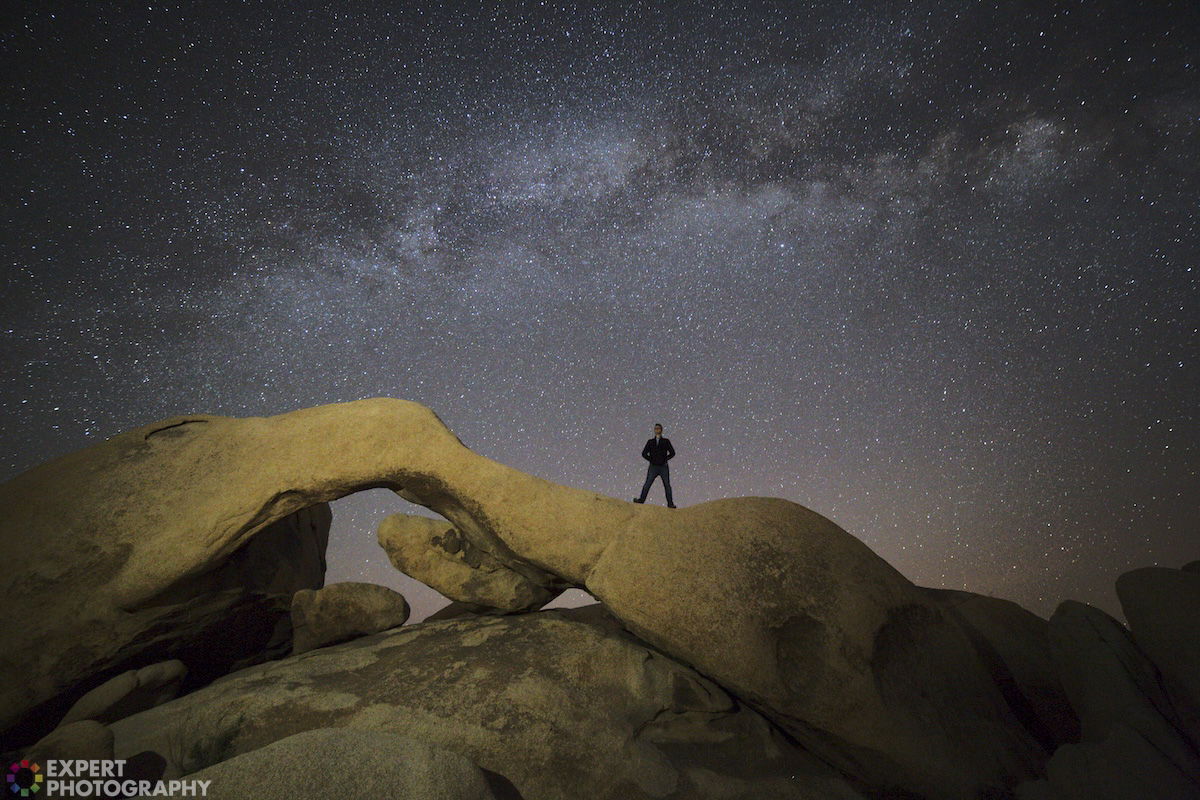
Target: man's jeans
(653, 471)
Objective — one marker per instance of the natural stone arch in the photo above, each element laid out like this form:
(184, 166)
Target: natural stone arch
(100, 539)
(714, 585)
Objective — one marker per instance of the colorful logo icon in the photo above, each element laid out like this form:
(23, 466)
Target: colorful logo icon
(24, 778)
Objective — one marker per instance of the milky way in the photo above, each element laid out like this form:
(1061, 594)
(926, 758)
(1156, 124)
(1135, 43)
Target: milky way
(930, 271)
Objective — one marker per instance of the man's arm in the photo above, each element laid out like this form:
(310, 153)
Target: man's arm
(646, 450)
(670, 450)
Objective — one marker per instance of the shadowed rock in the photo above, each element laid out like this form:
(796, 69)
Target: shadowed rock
(1123, 766)
(129, 693)
(1108, 679)
(1131, 744)
(1163, 609)
(457, 609)
(1015, 646)
(65, 627)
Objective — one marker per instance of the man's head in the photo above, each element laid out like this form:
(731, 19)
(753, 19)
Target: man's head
(657, 429)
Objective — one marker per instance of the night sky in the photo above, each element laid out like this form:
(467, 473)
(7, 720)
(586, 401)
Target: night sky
(929, 269)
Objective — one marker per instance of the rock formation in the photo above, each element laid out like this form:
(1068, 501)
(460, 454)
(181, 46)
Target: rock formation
(1132, 743)
(82, 739)
(129, 693)
(824, 652)
(67, 628)
(1014, 644)
(435, 553)
(353, 763)
(563, 703)
(1162, 606)
(343, 611)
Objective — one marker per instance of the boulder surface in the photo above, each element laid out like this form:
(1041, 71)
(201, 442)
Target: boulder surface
(65, 628)
(351, 763)
(129, 693)
(563, 703)
(342, 611)
(435, 553)
(1163, 606)
(1131, 743)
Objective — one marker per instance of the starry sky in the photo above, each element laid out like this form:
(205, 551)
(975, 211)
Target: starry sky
(927, 268)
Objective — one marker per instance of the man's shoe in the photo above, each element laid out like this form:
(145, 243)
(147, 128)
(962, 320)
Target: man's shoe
(636, 500)
(671, 506)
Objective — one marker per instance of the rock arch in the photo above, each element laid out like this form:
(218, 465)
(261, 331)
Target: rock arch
(99, 534)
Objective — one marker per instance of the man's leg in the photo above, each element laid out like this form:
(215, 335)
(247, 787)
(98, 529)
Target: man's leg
(666, 479)
(650, 473)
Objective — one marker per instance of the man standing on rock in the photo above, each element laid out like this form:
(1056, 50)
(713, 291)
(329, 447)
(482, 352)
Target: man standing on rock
(658, 451)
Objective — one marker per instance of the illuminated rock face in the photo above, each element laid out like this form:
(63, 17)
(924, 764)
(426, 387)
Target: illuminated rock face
(772, 601)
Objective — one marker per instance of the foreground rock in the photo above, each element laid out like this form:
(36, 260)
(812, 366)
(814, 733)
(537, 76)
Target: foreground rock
(771, 600)
(343, 611)
(562, 703)
(791, 613)
(352, 763)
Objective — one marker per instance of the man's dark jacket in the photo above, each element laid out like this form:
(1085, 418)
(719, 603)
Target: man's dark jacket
(660, 452)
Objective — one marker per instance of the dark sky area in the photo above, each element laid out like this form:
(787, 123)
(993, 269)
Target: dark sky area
(929, 269)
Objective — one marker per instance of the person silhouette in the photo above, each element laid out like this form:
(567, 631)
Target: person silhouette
(658, 451)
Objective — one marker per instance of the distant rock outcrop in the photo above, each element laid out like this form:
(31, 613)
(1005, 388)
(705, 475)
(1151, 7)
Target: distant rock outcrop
(1163, 609)
(1132, 743)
